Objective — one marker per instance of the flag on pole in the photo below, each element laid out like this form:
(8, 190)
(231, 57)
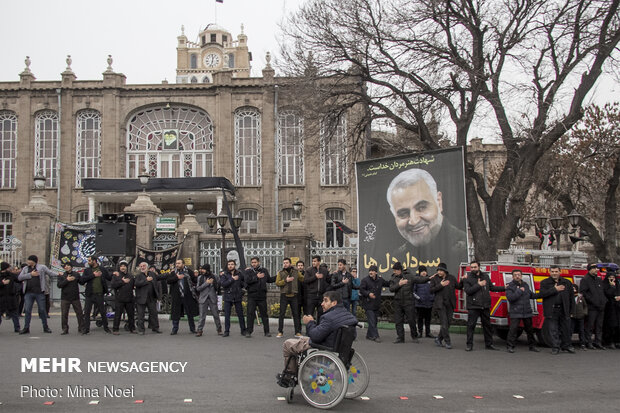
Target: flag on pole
(342, 227)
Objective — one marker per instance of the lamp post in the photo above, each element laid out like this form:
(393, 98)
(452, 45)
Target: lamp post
(144, 179)
(558, 225)
(221, 220)
(297, 205)
(189, 205)
(39, 181)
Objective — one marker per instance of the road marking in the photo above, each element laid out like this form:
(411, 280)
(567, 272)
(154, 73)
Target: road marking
(438, 396)
(187, 400)
(365, 398)
(48, 403)
(518, 396)
(280, 398)
(34, 338)
(404, 398)
(138, 402)
(478, 397)
(93, 402)
(548, 391)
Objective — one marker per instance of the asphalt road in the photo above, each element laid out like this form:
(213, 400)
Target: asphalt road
(237, 374)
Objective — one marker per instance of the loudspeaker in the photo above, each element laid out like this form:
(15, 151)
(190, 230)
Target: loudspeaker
(116, 239)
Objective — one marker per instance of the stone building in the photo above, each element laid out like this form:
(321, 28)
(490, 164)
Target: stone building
(216, 121)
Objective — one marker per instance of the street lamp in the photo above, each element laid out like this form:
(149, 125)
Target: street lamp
(222, 220)
(557, 225)
(297, 205)
(189, 205)
(39, 180)
(144, 179)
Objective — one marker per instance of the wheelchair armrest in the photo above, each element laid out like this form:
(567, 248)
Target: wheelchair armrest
(321, 347)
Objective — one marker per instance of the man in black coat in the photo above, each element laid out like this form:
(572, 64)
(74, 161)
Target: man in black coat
(443, 285)
(519, 296)
(8, 294)
(123, 285)
(232, 283)
(70, 297)
(401, 284)
(341, 281)
(371, 288)
(558, 304)
(592, 289)
(478, 286)
(256, 279)
(95, 278)
(316, 283)
(148, 291)
(182, 282)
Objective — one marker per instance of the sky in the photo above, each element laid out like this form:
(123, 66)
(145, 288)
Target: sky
(141, 35)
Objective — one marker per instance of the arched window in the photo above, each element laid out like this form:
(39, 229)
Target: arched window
(290, 148)
(194, 79)
(231, 60)
(334, 152)
(88, 146)
(193, 61)
(81, 216)
(8, 149)
(185, 151)
(247, 147)
(334, 237)
(45, 146)
(206, 79)
(249, 225)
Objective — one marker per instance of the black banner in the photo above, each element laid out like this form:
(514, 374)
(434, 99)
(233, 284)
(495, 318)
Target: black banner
(72, 244)
(412, 209)
(163, 260)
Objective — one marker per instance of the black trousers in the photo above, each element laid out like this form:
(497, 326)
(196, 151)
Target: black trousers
(404, 311)
(313, 304)
(228, 305)
(424, 319)
(261, 304)
(95, 300)
(445, 318)
(559, 328)
(485, 318)
(514, 328)
(151, 304)
(129, 308)
(594, 324)
(65, 305)
(284, 302)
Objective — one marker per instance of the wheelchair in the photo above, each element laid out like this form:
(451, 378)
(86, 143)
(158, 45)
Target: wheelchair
(327, 375)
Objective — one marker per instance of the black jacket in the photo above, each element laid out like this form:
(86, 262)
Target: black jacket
(123, 292)
(186, 303)
(316, 287)
(552, 298)
(69, 290)
(404, 293)
(479, 297)
(147, 290)
(337, 284)
(8, 292)
(257, 287)
(520, 304)
(367, 286)
(233, 290)
(445, 296)
(87, 279)
(591, 287)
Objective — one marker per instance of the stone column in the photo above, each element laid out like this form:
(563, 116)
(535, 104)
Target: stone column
(146, 213)
(191, 246)
(38, 218)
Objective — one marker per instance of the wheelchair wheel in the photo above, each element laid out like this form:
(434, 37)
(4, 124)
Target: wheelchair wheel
(323, 379)
(289, 394)
(359, 377)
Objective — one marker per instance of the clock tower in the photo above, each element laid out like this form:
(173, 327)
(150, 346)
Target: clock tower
(213, 51)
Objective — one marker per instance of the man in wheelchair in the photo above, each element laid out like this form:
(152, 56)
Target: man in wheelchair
(322, 334)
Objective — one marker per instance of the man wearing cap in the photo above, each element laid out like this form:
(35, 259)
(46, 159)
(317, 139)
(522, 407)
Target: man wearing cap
(519, 297)
(370, 290)
(593, 291)
(35, 285)
(478, 287)
(95, 278)
(558, 304)
(401, 284)
(123, 285)
(443, 285)
(70, 297)
(256, 279)
(207, 301)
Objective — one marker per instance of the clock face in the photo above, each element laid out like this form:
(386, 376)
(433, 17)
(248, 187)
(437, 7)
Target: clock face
(212, 60)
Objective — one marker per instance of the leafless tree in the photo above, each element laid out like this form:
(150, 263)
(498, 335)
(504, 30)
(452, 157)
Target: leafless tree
(519, 67)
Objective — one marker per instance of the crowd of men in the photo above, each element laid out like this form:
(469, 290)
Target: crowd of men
(592, 310)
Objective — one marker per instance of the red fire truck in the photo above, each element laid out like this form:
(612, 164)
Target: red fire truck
(534, 265)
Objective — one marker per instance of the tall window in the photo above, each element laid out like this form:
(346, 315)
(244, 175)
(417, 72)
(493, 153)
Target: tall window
(334, 152)
(287, 217)
(193, 61)
(8, 149)
(81, 216)
(6, 225)
(247, 147)
(249, 225)
(290, 148)
(173, 142)
(45, 146)
(334, 237)
(88, 146)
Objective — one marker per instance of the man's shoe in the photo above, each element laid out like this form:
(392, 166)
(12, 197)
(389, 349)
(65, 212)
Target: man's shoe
(85, 332)
(469, 348)
(511, 349)
(535, 349)
(156, 330)
(64, 333)
(583, 347)
(429, 335)
(107, 330)
(570, 350)
(297, 334)
(267, 334)
(491, 347)
(598, 346)
(219, 331)
(280, 335)
(590, 346)
(415, 339)
(438, 342)
(199, 333)
(371, 338)
(173, 332)
(132, 332)
(448, 346)
(142, 333)
(248, 335)
(555, 351)
(377, 340)
(116, 333)
(226, 334)
(47, 330)
(399, 340)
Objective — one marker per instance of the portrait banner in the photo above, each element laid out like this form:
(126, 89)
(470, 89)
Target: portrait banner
(163, 260)
(411, 209)
(72, 244)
